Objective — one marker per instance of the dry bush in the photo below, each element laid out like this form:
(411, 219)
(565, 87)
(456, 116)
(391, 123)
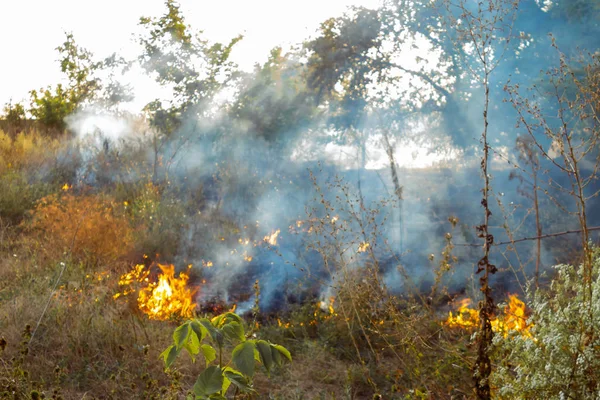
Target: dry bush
(398, 343)
(88, 227)
(28, 150)
(159, 221)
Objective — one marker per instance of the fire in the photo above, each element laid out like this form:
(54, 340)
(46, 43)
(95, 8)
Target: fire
(364, 246)
(465, 317)
(162, 299)
(512, 318)
(272, 238)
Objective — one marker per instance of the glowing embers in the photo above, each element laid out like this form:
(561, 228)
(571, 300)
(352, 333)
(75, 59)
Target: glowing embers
(272, 238)
(167, 296)
(511, 319)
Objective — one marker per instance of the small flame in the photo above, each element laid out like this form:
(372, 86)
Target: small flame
(512, 318)
(272, 238)
(166, 297)
(465, 317)
(363, 247)
(65, 187)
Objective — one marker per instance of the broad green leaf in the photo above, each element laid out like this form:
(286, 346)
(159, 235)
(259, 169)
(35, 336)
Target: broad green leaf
(181, 335)
(198, 329)
(243, 358)
(210, 354)
(283, 351)
(233, 317)
(238, 380)
(215, 334)
(264, 350)
(226, 318)
(226, 384)
(169, 355)
(276, 356)
(192, 346)
(234, 330)
(217, 321)
(209, 381)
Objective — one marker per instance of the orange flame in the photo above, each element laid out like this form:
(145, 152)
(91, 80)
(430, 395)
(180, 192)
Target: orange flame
(166, 297)
(512, 318)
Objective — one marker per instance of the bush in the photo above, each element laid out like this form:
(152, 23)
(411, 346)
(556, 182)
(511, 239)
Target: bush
(563, 358)
(159, 220)
(88, 227)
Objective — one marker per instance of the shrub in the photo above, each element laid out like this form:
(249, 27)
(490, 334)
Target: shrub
(562, 360)
(218, 376)
(88, 227)
(159, 221)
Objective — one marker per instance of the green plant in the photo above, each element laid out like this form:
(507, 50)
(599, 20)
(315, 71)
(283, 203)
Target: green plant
(217, 377)
(561, 361)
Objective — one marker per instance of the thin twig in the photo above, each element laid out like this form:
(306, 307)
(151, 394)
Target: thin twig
(593, 228)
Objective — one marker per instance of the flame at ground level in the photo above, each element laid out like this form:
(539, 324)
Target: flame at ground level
(166, 297)
(512, 318)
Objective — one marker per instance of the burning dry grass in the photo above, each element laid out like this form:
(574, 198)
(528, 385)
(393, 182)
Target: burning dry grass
(162, 298)
(512, 319)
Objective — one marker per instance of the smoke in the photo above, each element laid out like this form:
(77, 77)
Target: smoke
(245, 177)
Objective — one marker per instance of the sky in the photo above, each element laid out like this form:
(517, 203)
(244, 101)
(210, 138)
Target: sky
(32, 29)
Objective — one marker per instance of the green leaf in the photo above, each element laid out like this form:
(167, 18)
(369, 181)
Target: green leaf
(225, 318)
(181, 335)
(233, 317)
(226, 384)
(282, 350)
(234, 331)
(217, 321)
(238, 380)
(199, 330)
(215, 334)
(264, 350)
(169, 355)
(209, 381)
(210, 354)
(276, 356)
(243, 358)
(192, 346)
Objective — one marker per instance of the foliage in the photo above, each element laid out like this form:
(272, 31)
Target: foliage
(51, 107)
(159, 220)
(341, 65)
(274, 101)
(562, 360)
(14, 113)
(184, 63)
(215, 380)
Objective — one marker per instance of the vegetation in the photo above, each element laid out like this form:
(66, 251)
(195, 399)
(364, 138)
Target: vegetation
(274, 218)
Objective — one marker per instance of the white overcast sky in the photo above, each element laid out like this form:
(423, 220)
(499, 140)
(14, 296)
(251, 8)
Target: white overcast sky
(30, 30)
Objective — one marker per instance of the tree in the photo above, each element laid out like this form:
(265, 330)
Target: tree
(274, 102)
(50, 106)
(185, 63)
